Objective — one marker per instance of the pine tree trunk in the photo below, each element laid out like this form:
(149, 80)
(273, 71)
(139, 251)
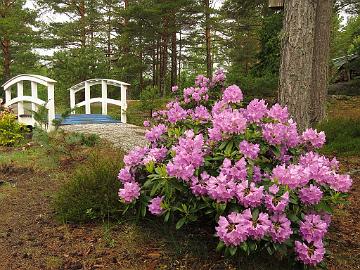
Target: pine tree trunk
(180, 56)
(320, 75)
(5, 47)
(208, 38)
(297, 59)
(82, 23)
(173, 55)
(164, 56)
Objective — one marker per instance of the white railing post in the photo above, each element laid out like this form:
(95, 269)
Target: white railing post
(51, 105)
(87, 98)
(123, 103)
(7, 95)
(72, 101)
(20, 94)
(104, 97)
(34, 93)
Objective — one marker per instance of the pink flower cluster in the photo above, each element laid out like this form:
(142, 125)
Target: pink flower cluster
(252, 161)
(312, 230)
(189, 156)
(238, 227)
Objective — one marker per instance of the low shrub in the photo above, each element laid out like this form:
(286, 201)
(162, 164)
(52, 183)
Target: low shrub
(60, 143)
(246, 169)
(90, 193)
(11, 131)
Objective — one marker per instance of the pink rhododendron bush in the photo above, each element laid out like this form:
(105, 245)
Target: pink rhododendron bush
(246, 168)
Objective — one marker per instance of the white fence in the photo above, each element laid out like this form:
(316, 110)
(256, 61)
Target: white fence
(104, 100)
(28, 119)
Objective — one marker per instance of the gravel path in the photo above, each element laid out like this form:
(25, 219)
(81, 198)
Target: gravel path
(124, 136)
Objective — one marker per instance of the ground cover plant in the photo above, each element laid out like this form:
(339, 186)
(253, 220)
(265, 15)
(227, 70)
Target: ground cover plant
(246, 169)
(11, 132)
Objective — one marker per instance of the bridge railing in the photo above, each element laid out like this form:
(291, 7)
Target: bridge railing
(104, 100)
(35, 80)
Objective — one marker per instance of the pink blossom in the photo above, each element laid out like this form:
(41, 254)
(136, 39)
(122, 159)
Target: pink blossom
(218, 78)
(135, 156)
(278, 113)
(232, 94)
(188, 156)
(313, 228)
(249, 195)
(275, 202)
(316, 139)
(256, 110)
(174, 88)
(155, 133)
(280, 229)
(155, 206)
(176, 113)
(234, 229)
(125, 175)
(281, 134)
(201, 113)
(220, 188)
(310, 254)
(230, 121)
(293, 175)
(236, 172)
(259, 227)
(146, 123)
(130, 192)
(249, 150)
(310, 195)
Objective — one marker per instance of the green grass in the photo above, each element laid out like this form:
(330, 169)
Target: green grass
(35, 157)
(342, 136)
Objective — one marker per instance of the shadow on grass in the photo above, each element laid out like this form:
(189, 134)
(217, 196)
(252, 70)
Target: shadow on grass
(342, 136)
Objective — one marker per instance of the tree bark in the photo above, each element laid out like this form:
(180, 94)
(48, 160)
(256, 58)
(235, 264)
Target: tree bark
(164, 56)
(320, 74)
(173, 54)
(82, 23)
(297, 59)
(208, 38)
(5, 47)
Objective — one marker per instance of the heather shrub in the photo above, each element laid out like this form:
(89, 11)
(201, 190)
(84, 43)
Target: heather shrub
(90, 193)
(245, 168)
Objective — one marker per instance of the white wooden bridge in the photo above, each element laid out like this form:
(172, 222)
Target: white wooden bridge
(25, 113)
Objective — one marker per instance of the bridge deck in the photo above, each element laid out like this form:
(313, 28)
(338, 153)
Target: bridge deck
(79, 119)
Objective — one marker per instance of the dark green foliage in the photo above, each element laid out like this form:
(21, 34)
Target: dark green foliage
(350, 88)
(91, 193)
(342, 136)
(265, 86)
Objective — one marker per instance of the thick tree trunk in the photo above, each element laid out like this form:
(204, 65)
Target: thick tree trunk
(297, 59)
(320, 74)
(208, 38)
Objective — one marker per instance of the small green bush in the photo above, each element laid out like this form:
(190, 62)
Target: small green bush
(11, 132)
(342, 136)
(91, 193)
